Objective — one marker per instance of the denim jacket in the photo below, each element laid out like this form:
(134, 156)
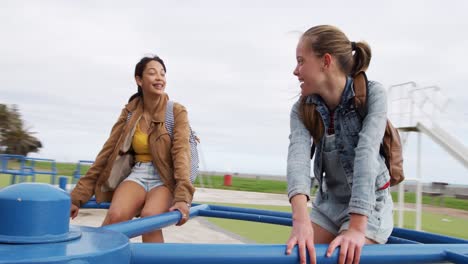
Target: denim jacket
(358, 142)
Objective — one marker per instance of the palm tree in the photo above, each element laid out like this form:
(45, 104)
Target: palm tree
(14, 139)
(4, 117)
(21, 142)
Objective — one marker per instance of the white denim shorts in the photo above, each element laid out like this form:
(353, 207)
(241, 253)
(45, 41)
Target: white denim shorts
(145, 175)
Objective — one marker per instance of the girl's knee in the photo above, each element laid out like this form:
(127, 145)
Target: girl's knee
(116, 216)
(152, 211)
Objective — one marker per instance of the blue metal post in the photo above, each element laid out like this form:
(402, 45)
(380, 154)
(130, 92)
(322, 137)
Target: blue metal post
(424, 237)
(140, 226)
(63, 182)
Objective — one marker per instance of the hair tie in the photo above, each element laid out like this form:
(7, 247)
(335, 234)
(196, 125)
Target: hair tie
(353, 45)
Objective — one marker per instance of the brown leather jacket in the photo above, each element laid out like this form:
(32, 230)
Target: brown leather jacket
(113, 164)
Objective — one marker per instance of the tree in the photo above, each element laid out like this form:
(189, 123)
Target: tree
(14, 138)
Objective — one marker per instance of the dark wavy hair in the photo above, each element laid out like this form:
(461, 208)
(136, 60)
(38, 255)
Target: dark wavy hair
(140, 68)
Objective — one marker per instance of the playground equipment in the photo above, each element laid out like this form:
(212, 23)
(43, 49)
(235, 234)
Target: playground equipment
(26, 168)
(34, 228)
(419, 109)
(35, 171)
(14, 172)
(77, 173)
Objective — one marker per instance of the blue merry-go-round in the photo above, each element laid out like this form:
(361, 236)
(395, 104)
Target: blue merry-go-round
(34, 228)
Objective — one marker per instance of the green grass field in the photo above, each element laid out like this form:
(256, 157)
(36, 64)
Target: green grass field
(244, 184)
(449, 202)
(271, 186)
(238, 183)
(63, 169)
(275, 234)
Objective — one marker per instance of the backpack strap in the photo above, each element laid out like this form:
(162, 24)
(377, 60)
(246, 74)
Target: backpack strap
(361, 89)
(170, 118)
(169, 123)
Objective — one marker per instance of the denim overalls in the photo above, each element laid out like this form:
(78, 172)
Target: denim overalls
(347, 164)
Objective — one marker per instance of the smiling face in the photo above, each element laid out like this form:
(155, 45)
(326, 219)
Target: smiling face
(153, 79)
(309, 69)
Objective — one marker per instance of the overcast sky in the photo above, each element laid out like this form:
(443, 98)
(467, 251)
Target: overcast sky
(69, 66)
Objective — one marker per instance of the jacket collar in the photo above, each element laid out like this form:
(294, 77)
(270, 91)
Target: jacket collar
(348, 94)
(159, 115)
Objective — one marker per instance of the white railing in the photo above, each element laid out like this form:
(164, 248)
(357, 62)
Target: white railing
(418, 109)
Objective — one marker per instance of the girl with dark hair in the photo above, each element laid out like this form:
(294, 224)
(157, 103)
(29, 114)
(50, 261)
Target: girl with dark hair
(140, 168)
(353, 205)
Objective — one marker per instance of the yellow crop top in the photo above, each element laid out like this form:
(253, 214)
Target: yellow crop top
(140, 146)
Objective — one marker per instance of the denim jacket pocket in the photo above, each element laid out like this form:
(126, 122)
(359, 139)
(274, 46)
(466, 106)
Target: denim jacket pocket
(351, 123)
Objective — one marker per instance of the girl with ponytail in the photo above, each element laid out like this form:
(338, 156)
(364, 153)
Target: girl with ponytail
(353, 205)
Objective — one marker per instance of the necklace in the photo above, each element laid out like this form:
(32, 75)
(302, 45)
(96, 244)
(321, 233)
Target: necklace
(147, 123)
